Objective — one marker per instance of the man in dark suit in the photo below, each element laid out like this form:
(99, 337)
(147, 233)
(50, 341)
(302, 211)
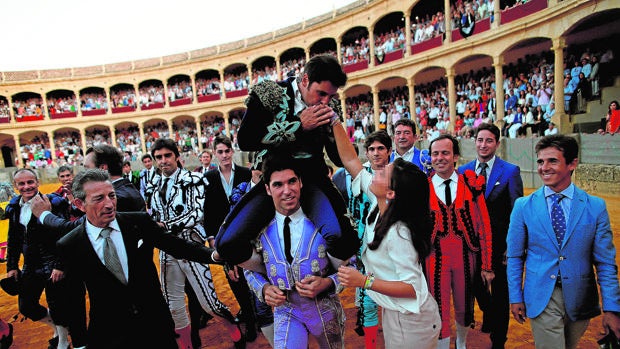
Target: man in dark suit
(110, 159)
(41, 269)
(222, 180)
(205, 160)
(146, 174)
(127, 308)
(503, 187)
(293, 116)
(131, 176)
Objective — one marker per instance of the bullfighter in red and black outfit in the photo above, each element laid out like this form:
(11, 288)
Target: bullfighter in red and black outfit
(461, 235)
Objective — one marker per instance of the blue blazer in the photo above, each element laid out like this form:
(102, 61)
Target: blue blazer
(588, 243)
(504, 187)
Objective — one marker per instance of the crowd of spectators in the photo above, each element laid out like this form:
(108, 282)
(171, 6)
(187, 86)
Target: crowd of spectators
(206, 87)
(359, 113)
(427, 26)
(266, 73)
(62, 105)
(128, 140)
(390, 41)
(68, 148)
(28, 107)
(93, 101)
(5, 111)
(180, 90)
(124, 97)
(292, 67)
(477, 9)
(151, 94)
(357, 48)
(236, 82)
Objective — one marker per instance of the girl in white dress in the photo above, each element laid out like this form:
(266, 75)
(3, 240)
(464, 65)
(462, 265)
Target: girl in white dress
(396, 242)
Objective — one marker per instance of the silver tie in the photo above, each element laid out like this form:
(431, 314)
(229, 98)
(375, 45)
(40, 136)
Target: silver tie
(110, 257)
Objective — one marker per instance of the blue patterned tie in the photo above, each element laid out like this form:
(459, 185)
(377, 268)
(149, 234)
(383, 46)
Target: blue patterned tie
(558, 221)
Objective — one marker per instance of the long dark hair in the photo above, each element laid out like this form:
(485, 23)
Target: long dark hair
(409, 206)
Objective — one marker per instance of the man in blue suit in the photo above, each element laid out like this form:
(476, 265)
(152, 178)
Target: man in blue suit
(504, 186)
(558, 234)
(404, 139)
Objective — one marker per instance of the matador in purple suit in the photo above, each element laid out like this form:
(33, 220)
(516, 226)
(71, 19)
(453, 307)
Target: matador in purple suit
(299, 280)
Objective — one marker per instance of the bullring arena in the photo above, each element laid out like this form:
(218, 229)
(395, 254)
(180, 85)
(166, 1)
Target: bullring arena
(393, 62)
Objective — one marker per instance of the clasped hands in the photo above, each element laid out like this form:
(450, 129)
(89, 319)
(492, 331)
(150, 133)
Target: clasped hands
(315, 116)
(309, 287)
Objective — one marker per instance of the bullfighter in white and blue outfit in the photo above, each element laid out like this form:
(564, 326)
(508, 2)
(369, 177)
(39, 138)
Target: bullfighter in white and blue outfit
(302, 285)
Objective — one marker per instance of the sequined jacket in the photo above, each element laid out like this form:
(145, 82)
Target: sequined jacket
(183, 212)
(309, 259)
(270, 123)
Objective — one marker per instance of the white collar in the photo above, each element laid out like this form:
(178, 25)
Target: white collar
(437, 181)
(94, 232)
(299, 101)
(490, 163)
(295, 217)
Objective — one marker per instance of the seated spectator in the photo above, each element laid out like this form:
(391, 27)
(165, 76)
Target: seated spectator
(551, 130)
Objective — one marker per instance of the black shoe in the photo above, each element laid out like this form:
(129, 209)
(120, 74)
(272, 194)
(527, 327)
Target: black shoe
(52, 343)
(204, 320)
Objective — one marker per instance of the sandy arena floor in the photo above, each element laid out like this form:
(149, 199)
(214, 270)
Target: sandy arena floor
(29, 335)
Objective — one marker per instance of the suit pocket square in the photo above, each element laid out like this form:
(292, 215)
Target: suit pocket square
(497, 183)
(140, 242)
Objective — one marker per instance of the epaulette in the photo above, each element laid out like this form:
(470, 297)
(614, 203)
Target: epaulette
(269, 93)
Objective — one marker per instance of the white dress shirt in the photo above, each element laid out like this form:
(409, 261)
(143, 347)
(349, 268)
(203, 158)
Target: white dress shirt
(489, 163)
(25, 213)
(228, 186)
(439, 185)
(300, 105)
(98, 243)
(407, 156)
(296, 225)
